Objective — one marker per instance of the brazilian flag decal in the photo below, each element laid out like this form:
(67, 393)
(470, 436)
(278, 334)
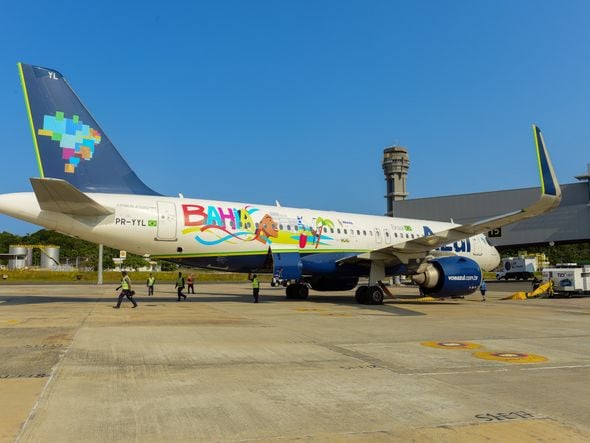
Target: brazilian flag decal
(152, 223)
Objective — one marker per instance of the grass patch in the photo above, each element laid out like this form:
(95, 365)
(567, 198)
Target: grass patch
(43, 276)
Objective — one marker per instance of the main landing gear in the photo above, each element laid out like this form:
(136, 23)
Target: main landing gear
(372, 294)
(297, 291)
(369, 295)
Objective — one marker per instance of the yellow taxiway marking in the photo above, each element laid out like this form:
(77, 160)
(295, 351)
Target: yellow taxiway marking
(511, 357)
(451, 345)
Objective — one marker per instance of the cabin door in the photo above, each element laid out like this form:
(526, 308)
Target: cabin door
(166, 221)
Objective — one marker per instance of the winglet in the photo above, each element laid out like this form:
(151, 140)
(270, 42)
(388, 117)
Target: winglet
(549, 185)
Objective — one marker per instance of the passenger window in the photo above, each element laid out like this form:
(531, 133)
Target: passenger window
(281, 227)
(371, 233)
(364, 233)
(345, 231)
(288, 227)
(338, 230)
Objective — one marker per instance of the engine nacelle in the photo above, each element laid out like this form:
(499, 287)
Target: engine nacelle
(449, 276)
(326, 283)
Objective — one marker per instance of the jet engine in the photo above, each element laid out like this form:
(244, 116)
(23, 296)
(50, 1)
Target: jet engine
(449, 276)
(327, 283)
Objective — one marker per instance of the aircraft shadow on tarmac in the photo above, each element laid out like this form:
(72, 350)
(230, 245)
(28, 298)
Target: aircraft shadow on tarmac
(219, 297)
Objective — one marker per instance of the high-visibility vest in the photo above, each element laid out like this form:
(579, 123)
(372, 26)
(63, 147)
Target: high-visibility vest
(151, 281)
(125, 283)
(255, 283)
(180, 282)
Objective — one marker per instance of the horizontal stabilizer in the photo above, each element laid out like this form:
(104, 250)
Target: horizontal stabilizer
(59, 196)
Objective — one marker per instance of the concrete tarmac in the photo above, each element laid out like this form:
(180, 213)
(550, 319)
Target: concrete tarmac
(221, 368)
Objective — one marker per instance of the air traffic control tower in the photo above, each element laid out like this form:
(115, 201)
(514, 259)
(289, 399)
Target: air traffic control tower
(395, 167)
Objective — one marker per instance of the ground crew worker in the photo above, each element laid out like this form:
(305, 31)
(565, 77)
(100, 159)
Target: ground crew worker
(191, 286)
(551, 291)
(125, 290)
(255, 286)
(482, 289)
(150, 284)
(180, 286)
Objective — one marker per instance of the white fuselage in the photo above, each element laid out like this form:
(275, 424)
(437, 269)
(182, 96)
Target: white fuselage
(172, 227)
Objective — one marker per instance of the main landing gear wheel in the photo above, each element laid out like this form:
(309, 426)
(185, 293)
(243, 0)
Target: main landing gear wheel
(297, 291)
(374, 295)
(371, 295)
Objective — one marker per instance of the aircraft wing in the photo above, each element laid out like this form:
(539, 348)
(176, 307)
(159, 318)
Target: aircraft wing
(549, 199)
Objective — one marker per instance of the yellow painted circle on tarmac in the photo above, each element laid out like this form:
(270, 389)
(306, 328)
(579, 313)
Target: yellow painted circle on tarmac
(511, 357)
(451, 345)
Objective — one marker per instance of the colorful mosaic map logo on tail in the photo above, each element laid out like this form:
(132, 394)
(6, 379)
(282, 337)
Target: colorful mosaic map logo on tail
(76, 139)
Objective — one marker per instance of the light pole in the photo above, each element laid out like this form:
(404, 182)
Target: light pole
(100, 252)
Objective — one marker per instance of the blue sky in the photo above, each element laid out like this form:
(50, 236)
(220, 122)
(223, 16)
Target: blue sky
(295, 101)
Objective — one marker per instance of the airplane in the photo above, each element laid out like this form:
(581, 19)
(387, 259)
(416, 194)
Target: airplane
(87, 190)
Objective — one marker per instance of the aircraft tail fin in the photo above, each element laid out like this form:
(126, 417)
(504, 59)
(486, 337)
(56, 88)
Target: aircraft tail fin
(69, 143)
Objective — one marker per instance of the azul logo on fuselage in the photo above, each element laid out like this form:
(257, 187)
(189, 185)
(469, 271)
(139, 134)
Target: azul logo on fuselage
(458, 246)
